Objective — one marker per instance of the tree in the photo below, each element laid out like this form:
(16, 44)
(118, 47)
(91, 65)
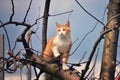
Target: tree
(111, 42)
(45, 21)
(31, 56)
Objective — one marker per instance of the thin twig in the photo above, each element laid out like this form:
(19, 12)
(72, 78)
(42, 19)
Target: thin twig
(16, 23)
(89, 13)
(112, 18)
(118, 75)
(94, 63)
(69, 15)
(96, 44)
(52, 16)
(11, 17)
(84, 38)
(75, 41)
(118, 63)
(61, 13)
(38, 38)
(94, 49)
(35, 70)
(37, 21)
(83, 57)
(14, 45)
(98, 47)
(6, 36)
(104, 14)
(27, 11)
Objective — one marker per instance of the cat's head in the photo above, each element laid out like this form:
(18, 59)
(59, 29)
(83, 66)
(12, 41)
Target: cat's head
(63, 30)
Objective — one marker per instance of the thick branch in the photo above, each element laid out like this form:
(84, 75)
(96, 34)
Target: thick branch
(45, 21)
(16, 23)
(53, 69)
(94, 49)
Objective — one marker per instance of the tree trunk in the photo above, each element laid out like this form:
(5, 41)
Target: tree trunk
(45, 21)
(2, 55)
(111, 41)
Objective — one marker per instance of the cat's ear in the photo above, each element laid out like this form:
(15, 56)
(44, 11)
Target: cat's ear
(68, 23)
(57, 24)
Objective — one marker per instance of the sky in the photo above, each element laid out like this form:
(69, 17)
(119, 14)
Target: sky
(80, 23)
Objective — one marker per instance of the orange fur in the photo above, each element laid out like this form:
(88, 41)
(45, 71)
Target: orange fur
(61, 43)
(48, 50)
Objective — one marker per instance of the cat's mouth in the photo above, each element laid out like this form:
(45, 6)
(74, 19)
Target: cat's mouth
(61, 35)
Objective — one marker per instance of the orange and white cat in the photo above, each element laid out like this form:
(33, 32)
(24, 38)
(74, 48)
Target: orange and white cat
(59, 45)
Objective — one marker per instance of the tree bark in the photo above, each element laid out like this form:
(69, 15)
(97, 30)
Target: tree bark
(111, 41)
(2, 55)
(45, 21)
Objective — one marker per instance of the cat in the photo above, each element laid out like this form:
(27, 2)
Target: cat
(59, 45)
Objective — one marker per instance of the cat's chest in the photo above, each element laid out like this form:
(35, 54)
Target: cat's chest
(62, 44)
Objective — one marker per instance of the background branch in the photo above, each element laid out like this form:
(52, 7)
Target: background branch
(89, 13)
(45, 21)
(13, 11)
(16, 23)
(84, 39)
(6, 35)
(94, 49)
(27, 11)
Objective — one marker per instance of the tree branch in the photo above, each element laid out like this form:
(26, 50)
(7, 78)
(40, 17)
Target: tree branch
(27, 11)
(16, 23)
(94, 49)
(11, 17)
(51, 16)
(61, 13)
(45, 21)
(7, 36)
(83, 39)
(89, 13)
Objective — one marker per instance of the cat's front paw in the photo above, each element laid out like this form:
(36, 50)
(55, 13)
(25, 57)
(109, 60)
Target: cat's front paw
(57, 54)
(65, 67)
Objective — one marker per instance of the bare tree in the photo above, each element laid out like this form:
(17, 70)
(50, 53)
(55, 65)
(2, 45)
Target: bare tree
(111, 42)
(14, 61)
(45, 21)
(34, 58)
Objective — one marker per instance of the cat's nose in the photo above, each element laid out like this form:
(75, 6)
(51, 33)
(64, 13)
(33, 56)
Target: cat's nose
(61, 34)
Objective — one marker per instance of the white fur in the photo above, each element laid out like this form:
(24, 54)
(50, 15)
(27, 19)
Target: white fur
(61, 45)
(62, 40)
(62, 32)
(55, 51)
(64, 66)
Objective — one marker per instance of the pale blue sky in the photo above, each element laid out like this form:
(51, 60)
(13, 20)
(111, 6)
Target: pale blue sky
(80, 22)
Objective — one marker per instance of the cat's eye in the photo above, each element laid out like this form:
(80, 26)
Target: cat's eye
(59, 30)
(63, 29)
